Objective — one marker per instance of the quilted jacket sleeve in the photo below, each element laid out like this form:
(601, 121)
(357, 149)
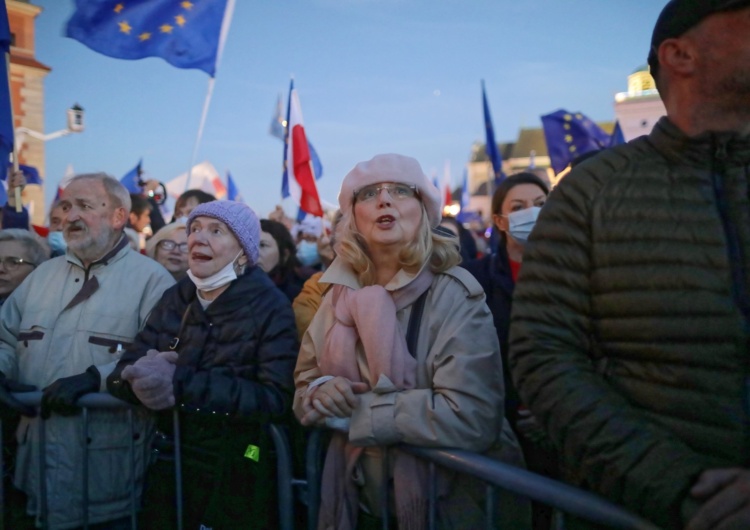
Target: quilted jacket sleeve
(608, 444)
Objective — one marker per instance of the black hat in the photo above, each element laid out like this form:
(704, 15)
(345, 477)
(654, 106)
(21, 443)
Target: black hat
(678, 16)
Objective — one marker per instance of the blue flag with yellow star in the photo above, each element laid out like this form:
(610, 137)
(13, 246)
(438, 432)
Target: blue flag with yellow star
(6, 109)
(183, 33)
(569, 135)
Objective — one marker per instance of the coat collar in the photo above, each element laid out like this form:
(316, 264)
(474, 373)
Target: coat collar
(117, 252)
(341, 273)
(732, 148)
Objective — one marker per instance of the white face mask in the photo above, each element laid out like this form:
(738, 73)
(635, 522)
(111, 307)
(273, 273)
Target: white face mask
(521, 223)
(219, 279)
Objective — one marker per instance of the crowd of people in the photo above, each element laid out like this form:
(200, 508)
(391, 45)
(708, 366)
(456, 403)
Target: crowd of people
(603, 340)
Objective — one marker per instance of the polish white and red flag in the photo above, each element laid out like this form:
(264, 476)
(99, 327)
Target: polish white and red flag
(299, 172)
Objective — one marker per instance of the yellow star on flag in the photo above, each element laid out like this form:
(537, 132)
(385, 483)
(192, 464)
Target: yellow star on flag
(144, 36)
(572, 148)
(118, 8)
(124, 27)
(567, 117)
(180, 20)
(187, 5)
(568, 138)
(166, 28)
(566, 126)
(579, 116)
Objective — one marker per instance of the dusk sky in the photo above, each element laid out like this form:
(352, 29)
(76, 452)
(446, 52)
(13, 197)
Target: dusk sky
(373, 76)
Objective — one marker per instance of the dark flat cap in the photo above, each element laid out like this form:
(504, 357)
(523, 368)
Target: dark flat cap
(678, 16)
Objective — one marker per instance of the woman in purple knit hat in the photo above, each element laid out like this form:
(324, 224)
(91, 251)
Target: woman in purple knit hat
(220, 347)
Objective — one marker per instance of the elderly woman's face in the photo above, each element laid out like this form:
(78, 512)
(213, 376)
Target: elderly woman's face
(169, 253)
(211, 246)
(13, 272)
(387, 214)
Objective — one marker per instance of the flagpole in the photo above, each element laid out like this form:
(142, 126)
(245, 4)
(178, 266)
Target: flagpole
(16, 189)
(225, 23)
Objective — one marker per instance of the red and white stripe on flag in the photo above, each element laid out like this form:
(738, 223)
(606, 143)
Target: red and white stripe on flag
(302, 185)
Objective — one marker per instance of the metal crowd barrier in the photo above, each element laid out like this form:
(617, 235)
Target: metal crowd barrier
(103, 400)
(564, 498)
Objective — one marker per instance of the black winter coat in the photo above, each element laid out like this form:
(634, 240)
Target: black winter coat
(494, 275)
(234, 373)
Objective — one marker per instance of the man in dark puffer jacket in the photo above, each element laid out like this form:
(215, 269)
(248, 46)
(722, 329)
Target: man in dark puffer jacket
(631, 319)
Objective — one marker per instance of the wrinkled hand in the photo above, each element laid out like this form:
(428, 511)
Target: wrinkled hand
(725, 494)
(150, 378)
(10, 404)
(335, 398)
(61, 396)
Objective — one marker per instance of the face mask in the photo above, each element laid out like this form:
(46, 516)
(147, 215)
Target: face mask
(307, 253)
(57, 243)
(218, 279)
(521, 223)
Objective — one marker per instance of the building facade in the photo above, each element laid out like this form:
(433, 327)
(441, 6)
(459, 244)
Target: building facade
(27, 94)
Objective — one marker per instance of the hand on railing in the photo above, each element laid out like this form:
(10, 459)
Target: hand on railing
(61, 396)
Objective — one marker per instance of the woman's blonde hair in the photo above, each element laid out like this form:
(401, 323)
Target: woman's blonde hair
(440, 251)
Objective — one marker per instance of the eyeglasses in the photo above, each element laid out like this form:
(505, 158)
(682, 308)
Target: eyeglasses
(11, 263)
(396, 191)
(168, 244)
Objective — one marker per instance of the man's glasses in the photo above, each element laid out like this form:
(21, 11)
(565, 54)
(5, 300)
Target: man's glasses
(168, 244)
(396, 191)
(11, 263)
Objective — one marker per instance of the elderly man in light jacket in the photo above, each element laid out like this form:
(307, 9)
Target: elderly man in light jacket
(62, 330)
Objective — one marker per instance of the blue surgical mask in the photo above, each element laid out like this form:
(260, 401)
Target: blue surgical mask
(57, 243)
(307, 253)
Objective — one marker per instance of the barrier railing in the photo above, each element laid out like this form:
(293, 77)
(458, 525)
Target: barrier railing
(106, 401)
(564, 498)
(497, 475)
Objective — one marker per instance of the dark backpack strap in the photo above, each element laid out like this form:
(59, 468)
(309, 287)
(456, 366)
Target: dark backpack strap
(412, 332)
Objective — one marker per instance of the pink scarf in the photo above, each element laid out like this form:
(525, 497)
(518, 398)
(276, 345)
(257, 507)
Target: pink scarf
(369, 315)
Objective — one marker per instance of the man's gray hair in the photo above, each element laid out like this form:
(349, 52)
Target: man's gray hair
(36, 248)
(116, 192)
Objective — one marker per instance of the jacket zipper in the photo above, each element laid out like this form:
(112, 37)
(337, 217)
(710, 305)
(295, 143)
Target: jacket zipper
(739, 287)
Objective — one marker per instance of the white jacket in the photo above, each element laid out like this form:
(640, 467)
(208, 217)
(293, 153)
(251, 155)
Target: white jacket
(58, 322)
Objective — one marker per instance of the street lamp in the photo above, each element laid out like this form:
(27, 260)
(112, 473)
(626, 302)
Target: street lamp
(75, 125)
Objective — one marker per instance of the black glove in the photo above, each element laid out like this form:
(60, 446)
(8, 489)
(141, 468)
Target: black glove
(9, 403)
(61, 396)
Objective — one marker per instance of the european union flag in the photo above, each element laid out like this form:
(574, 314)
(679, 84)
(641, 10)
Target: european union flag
(569, 135)
(132, 179)
(6, 106)
(233, 192)
(183, 33)
(491, 146)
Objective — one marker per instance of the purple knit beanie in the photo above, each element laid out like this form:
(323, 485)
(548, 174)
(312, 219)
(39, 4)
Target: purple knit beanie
(391, 168)
(240, 219)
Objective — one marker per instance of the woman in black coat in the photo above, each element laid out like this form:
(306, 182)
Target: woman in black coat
(515, 205)
(220, 346)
